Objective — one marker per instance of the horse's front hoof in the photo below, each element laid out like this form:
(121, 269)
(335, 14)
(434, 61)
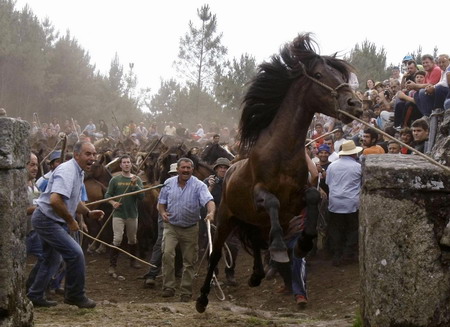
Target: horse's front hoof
(279, 256)
(201, 304)
(254, 280)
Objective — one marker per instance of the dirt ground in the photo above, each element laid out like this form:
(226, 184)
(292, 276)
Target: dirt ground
(333, 300)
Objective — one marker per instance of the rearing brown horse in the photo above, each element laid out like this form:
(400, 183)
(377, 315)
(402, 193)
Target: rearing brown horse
(265, 190)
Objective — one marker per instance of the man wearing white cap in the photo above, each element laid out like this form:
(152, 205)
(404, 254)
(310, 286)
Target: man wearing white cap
(344, 181)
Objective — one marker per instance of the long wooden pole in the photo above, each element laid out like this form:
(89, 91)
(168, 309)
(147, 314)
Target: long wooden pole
(447, 169)
(125, 194)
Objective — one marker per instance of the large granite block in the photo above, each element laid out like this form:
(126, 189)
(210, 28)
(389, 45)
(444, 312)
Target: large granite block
(14, 149)
(405, 272)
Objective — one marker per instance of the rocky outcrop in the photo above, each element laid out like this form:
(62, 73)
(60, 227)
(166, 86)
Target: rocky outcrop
(404, 270)
(15, 308)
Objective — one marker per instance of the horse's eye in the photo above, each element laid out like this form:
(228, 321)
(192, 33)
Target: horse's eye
(318, 75)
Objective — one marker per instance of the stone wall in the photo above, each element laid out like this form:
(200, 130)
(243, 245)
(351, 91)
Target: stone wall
(15, 309)
(404, 270)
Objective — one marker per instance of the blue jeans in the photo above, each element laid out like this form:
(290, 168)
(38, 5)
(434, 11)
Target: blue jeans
(156, 258)
(428, 102)
(298, 270)
(34, 247)
(56, 241)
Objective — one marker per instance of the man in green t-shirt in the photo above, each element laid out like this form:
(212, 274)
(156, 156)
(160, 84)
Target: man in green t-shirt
(125, 214)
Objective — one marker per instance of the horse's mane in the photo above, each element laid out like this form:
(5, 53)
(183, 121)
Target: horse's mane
(272, 82)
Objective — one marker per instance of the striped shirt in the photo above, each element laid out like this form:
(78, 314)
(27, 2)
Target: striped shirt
(66, 180)
(184, 204)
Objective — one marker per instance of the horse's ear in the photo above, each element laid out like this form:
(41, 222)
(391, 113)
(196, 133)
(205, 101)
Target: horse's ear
(102, 159)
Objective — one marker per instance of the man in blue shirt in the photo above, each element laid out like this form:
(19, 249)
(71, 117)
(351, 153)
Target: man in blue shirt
(179, 205)
(52, 220)
(344, 182)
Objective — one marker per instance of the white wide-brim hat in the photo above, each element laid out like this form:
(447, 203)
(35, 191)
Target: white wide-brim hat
(348, 148)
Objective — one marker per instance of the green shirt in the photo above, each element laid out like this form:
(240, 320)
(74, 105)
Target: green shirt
(117, 186)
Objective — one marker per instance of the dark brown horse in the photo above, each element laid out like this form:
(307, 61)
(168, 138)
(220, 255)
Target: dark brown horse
(265, 190)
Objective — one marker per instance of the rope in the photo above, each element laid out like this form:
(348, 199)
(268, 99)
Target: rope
(215, 281)
(447, 169)
(117, 248)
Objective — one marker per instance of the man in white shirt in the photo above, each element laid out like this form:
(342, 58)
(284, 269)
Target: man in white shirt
(344, 181)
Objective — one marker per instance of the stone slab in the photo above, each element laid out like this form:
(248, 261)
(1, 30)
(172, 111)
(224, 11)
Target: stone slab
(14, 148)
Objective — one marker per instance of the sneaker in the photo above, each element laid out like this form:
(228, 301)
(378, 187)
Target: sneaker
(301, 300)
(150, 282)
(85, 303)
(168, 292)
(43, 303)
(185, 298)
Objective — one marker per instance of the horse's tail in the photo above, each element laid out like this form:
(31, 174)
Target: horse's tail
(245, 232)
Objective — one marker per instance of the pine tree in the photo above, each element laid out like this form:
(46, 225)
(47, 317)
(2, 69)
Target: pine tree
(200, 51)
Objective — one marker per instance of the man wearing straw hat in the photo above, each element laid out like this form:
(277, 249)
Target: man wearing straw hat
(344, 181)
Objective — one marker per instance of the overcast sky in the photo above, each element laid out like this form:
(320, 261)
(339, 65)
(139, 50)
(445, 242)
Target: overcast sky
(147, 32)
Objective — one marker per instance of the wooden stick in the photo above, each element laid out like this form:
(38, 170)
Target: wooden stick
(123, 195)
(447, 169)
(117, 248)
(321, 136)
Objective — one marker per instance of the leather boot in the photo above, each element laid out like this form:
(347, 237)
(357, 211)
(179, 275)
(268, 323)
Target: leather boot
(113, 261)
(133, 251)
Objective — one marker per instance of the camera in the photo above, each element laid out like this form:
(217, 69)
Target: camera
(217, 180)
(387, 94)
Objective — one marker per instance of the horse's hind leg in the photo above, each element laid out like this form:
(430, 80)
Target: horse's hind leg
(258, 268)
(222, 232)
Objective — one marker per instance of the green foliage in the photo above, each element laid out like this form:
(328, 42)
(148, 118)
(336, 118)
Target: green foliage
(369, 62)
(116, 76)
(200, 50)
(51, 75)
(231, 83)
(358, 320)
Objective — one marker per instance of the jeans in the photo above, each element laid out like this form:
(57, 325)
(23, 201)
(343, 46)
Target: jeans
(34, 247)
(298, 270)
(57, 242)
(156, 258)
(428, 102)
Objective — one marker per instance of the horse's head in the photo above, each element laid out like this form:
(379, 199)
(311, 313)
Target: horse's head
(328, 77)
(294, 85)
